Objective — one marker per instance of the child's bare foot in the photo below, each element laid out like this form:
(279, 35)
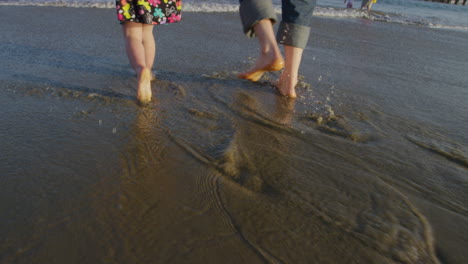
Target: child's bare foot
(144, 86)
(286, 85)
(266, 62)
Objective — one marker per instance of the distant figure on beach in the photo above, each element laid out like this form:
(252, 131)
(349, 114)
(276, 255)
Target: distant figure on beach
(367, 4)
(349, 3)
(258, 17)
(138, 18)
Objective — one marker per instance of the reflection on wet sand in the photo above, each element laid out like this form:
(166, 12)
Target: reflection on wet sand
(294, 201)
(284, 110)
(226, 177)
(298, 204)
(249, 156)
(167, 207)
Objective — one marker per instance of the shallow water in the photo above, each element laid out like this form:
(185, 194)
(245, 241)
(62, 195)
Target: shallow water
(219, 168)
(368, 164)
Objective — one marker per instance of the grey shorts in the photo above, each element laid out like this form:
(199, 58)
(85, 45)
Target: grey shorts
(294, 28)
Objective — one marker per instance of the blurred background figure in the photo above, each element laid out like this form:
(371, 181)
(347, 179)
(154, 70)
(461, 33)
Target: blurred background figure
(349, 3)
(367, 4)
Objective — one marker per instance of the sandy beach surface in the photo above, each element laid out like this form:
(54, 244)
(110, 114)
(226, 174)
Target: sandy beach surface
(368, 165)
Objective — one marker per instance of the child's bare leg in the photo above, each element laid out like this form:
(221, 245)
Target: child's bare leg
(134, 44)
(287, 82)
(150, 46)
(270, 58)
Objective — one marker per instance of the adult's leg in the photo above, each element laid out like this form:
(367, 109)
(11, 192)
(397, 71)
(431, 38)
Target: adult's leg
(366, 3)
(293, 33)
(288, 79)
(257, 18)
(137, 55)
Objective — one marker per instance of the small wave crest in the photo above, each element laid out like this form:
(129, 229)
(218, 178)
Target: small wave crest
(447, 27)
(450, 150)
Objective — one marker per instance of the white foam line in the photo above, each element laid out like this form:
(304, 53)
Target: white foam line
(210, 8)
(218, 8)
(447, 27)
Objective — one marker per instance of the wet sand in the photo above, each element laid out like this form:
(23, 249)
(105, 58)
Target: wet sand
(368, 165)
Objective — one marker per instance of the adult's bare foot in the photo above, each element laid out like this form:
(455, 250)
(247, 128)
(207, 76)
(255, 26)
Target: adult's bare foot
(286, 85)
(266, 62)
(144, 86)
(270, 58)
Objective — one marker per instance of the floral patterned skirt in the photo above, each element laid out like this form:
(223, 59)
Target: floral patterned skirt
(153, 12)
